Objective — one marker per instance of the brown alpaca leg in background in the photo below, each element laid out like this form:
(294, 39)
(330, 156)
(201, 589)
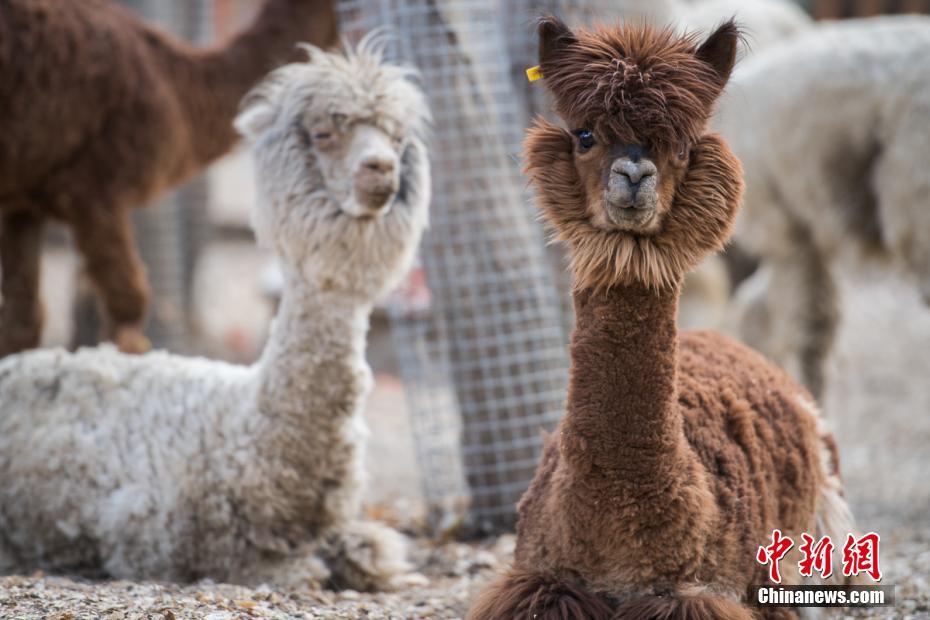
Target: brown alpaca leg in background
(105, 240)
(20, 252)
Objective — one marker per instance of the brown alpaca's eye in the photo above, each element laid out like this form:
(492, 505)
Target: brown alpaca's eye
(585, 139)
(683, 151)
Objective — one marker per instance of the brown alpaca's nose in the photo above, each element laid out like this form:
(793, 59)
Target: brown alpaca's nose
(634, 171)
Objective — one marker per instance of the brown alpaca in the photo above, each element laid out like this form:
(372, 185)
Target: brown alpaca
(677, 456)
(99, 113)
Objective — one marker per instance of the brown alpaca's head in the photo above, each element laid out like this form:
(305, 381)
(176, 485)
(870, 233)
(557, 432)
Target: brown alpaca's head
(633, 183)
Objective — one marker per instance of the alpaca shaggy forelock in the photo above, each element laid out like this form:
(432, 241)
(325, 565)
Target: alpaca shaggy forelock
(643, 85)
(358, 84)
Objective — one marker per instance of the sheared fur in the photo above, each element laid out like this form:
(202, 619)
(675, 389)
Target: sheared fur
(677, 455)
(100, 113)
(160, 466)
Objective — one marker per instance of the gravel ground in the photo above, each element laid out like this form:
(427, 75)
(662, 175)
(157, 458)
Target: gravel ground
(449, 575)
(878, 403)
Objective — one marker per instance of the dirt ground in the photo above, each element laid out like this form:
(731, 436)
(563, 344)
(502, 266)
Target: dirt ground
(449, 576)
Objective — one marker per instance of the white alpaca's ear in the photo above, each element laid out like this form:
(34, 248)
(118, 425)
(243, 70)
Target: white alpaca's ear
(255, 119)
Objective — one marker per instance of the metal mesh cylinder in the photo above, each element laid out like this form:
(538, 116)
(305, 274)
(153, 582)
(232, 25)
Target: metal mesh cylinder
(486, 367)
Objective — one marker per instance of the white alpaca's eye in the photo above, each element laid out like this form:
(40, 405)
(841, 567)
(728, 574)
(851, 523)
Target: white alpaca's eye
(322, 135)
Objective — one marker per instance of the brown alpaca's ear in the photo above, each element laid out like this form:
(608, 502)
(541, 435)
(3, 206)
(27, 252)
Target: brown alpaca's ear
(719, 50)
(554, 38)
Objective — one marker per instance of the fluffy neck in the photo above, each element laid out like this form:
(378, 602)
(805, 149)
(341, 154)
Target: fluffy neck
(212, 82)
(311, 383)
(315, 356)
(621, 416)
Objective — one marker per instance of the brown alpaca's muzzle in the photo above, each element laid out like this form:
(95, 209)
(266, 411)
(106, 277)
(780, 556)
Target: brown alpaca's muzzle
(631, 194)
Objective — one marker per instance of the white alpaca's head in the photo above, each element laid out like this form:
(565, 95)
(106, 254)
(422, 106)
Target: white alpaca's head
(343, 175)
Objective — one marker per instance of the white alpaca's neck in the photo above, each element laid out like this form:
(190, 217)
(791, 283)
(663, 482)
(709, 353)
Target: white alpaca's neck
(312, 385)
(316, 352)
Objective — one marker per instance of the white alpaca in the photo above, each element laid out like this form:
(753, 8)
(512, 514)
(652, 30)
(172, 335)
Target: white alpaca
(832, 130)
(764, 22)
(177, 468)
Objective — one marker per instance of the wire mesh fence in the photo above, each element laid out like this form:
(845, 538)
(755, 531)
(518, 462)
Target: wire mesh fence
(172, 233)
(486, 366)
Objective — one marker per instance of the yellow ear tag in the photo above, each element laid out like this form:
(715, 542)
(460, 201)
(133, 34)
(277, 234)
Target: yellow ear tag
(534, 73)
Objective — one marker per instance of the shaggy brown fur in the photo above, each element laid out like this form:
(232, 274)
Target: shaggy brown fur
(530, 595)
(694, 608)
(677, 456)
(98, 113)
(601, 258)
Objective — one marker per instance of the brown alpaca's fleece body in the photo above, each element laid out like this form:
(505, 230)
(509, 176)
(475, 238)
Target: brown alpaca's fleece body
(100, 113)
(678, 454)
(661, 473)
